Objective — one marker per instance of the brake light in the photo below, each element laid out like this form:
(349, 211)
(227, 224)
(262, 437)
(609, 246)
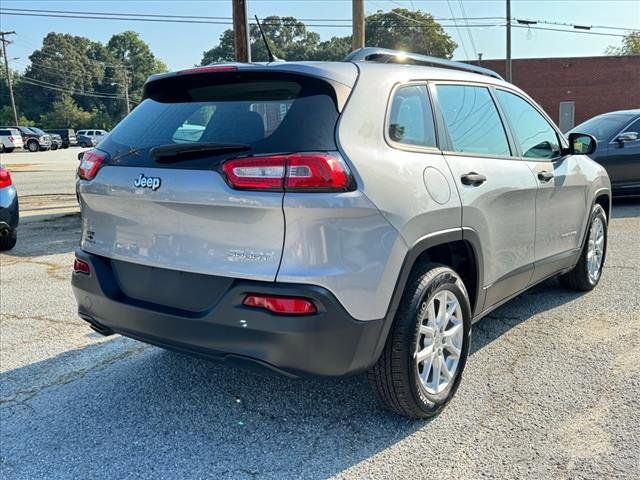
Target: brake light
(5, 178)
(90, 164)
(281, 305)
(319, 172)
(80, 266)
(214, 68)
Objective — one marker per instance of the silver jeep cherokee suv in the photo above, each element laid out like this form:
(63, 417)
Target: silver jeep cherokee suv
(329, 218)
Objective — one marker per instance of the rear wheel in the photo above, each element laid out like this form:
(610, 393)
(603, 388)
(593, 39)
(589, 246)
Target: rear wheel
(422, 362)
(8, 239)
(33, 146)
(587, 272)
(8, 150)
(54, 146)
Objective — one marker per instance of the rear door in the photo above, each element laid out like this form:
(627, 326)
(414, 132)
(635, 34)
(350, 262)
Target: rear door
(178, 212)
(497, 189)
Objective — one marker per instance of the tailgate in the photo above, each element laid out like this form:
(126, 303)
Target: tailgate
(176, 210)
(192, 222)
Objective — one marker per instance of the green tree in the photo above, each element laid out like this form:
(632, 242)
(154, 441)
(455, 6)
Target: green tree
(6, 117)
(630, 46)
(399, 29)
(410, 31)
(288, 39)
(133, 54)
(65, 113)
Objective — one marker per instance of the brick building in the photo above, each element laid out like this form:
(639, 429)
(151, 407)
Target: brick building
(572, 90)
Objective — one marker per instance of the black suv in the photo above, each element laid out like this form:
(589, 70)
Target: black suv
(68, 136)
(33, 140)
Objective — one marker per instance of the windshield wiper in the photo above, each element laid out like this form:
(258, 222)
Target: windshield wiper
(184, 151)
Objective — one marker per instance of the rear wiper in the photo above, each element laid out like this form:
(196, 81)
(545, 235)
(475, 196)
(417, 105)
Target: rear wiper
(183, 151)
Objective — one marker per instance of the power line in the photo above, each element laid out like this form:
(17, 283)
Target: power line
(61, 88)
(459, 33)
(464, 14)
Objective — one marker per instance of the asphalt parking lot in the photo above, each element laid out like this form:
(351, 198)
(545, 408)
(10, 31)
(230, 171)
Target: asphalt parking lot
(551, 390)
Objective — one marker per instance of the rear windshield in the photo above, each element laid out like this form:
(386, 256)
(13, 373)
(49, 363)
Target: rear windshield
(267, 112)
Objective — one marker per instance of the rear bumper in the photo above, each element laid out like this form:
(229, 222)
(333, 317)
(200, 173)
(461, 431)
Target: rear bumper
(328, 343)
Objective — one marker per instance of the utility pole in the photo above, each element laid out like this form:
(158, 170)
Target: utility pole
(357, 16)
(508, 40)
(126, 90)
(241, 43)
(6, 66)
(479, 59)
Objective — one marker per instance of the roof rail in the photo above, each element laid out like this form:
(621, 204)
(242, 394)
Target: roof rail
(385, 55)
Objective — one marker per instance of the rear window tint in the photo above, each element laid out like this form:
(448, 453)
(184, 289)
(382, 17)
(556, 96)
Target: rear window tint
(272, 113)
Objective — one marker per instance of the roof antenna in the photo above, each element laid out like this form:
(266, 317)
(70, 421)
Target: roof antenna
(272, 57)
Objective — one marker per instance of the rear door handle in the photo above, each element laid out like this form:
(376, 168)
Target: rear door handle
(472, 178)
(545, 176)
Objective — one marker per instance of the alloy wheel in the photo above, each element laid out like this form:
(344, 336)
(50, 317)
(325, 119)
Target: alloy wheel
(595, 249)
(439, 344)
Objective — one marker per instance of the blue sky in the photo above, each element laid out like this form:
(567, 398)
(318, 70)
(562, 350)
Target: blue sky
(181, 45)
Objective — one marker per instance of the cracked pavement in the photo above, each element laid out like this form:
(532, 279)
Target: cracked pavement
(551, 390)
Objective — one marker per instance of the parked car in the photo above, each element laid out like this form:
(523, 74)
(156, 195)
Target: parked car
(96, 135)
(10, 139)
(84, 141)
(56, 141)
(334, 217)
(33, 140)
(68, 136)
(9, 214)
(618, 151)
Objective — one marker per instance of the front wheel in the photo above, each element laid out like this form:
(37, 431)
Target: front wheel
(54, 147)
(33, 146)
(421, 364)
(587, 272)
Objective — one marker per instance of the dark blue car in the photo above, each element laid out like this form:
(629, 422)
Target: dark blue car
(618, 151)
(9, 216)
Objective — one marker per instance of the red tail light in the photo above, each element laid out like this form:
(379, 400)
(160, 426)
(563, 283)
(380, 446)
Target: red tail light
(5, 178)
(90, 164)
(319, 172)
(80, 266)
(281, 305)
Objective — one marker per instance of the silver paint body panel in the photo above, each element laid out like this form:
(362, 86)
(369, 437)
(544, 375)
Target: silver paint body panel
(354, 244)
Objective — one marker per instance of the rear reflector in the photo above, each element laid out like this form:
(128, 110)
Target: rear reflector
(5, 178)
(281, 305)
(80, 266)
(90, 164)
(319, 172)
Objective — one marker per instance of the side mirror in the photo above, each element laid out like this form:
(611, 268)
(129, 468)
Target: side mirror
(627, 137)
(582, 144)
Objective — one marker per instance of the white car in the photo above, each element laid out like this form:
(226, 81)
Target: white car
(10, 139)
(96, 135)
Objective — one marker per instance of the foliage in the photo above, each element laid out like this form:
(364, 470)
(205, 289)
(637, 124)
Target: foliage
(289, 38)
(630, 46)
(6, 117)
(71, 77)
(65, 113)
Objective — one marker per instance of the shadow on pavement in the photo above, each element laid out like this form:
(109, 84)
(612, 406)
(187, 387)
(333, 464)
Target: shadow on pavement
(47, 237)
(626, 207)
(120, 408)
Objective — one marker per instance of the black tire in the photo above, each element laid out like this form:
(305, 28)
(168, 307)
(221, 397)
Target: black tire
(1, 148)
(9, 150)
(54, 146)
(33, 146)
(579, 278)
(8, 240)
(395, 377)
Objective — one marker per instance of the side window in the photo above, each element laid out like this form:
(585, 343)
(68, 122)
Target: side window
(537, 139)
(411, 118)
(472, 120)
(634, 127)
